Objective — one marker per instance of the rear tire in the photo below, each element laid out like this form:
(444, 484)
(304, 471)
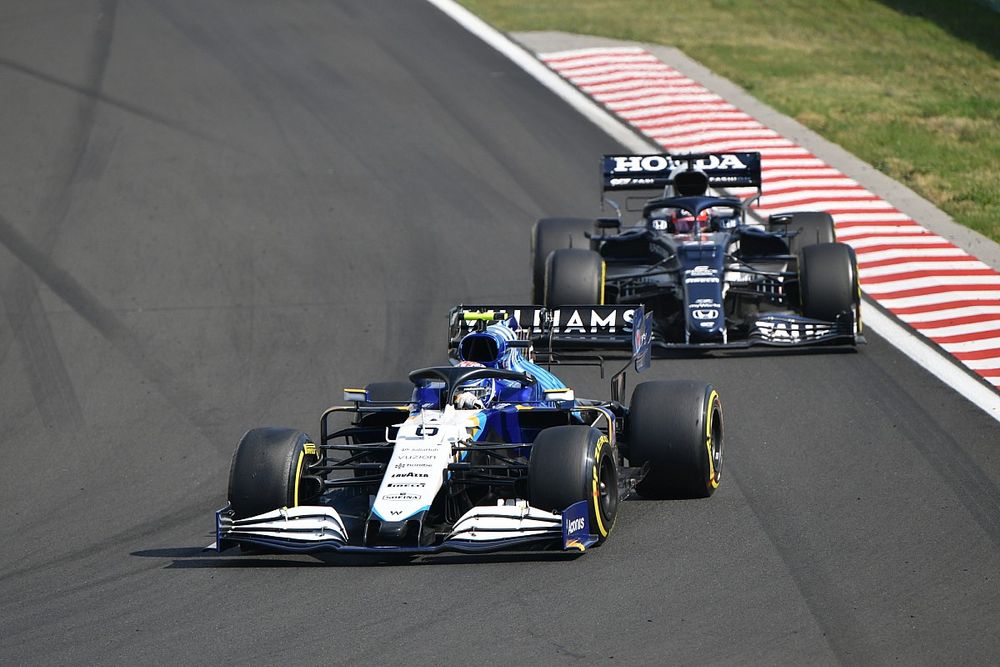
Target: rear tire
(572, 277)
(573, 463)
(549, 234)
(268, 471)
(676, 427)
(813, 227)
(828, 280)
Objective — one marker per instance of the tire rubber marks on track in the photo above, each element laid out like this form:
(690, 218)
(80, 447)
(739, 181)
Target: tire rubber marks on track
(187, 402)
(50, 383)
(902, 265)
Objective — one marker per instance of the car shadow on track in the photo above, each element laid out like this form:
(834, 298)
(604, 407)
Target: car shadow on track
(200, 557)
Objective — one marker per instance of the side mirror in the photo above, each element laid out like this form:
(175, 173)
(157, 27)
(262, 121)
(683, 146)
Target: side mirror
(356, 395)
(563, 394)
(608, 223)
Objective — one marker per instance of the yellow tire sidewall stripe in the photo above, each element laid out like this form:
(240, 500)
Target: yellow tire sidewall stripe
(601, 528)
(604, 268)
(307, 448)
(713, 477)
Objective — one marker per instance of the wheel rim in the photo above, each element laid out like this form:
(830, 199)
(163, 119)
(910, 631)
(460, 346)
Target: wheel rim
(607, 490)
(717, 444)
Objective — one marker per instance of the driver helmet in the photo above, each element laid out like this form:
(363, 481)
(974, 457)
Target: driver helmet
(684, 222)
(475, 394)
(675, 220)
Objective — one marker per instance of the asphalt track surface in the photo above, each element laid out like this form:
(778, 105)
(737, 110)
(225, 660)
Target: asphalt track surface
(214, 215)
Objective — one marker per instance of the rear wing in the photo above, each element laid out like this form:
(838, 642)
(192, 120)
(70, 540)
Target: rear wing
(554, 331)
(650, 172)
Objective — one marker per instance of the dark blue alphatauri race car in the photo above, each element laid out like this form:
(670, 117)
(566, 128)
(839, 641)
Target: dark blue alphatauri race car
(489, 452)
(712, 278)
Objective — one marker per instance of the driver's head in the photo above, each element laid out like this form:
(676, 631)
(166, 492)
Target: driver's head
(475, 394)
(684, 222)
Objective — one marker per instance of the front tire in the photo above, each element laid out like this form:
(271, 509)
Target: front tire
(574, 277)
(828, 280)
(269, 471)
(676, 427)
(573, 463)
(548, 235)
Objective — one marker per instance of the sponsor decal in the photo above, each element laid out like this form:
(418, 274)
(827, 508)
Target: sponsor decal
(790, 331)
(427, 431)
(413, 465)
(410, 474)
(705, 314)
(416, 457)
(596, 320)
(701, 274)
(406, 485)
(638, 338)
(400, 497)
(645, 163)
(592, 320)
(575, 525)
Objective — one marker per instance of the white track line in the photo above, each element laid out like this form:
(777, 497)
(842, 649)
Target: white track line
(928, 357)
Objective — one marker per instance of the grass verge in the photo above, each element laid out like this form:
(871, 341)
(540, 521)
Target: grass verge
(909, 86)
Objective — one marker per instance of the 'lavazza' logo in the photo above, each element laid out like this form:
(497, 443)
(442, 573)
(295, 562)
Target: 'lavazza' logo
(641, 163)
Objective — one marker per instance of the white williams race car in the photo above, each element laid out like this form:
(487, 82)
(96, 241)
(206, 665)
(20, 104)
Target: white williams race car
(491, 452)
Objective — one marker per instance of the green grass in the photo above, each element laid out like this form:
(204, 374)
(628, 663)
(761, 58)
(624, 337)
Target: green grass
(910, 86)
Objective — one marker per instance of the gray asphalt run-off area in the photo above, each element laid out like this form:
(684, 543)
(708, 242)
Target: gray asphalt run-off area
(217, 215)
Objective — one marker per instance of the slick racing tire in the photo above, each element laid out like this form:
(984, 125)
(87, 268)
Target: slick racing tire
(269, 471)
(573, 277)
(573, 463)
(813, 227)
(828, 280)
(676, 427)
(396, 392)
(547, 235)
